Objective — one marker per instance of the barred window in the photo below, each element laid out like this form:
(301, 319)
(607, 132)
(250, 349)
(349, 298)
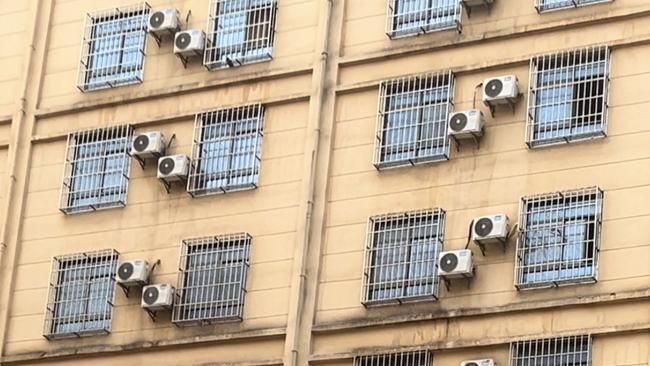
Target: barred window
(412, 120)
(227, 150)
(412, 17)
(80, 300)
(212, 279)
(559, 239)
(549, 5)
(563, 351)
(97, 169)
(112, 52)
(411, 358)
(240, 32)
(568, 96)
(401, 257)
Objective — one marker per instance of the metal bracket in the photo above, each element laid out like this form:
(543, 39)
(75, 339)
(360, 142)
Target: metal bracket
(152, 315)
(171, 139)
(512, 102)
(476, 137)
(168, 185)
(142, 161)
(468, 279)
(486, 3)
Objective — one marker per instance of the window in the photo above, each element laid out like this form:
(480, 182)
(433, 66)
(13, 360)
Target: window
(227, 150)
(412, 17)
(112, 52)
(240, 32)
(568, 96)
(401, 257)
(549, 5)
(212, 279)
(80, 301)
(412, 358)
(559, 238)
(412, 120)
(97, 169)
(564, 351)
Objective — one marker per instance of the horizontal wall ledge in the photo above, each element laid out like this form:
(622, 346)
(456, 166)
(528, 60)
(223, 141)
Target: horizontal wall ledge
(424, 44)
(609, 298)
(5, 120)
(171, 91)
(149, 345)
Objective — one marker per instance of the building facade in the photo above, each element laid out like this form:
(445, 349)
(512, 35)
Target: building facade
(324, 191)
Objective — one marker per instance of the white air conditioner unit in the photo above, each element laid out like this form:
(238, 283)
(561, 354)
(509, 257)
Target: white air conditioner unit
(501, 90)
(473, 3)
(164, 22)
(485, 362)
(456, 264)
(173, 168)
(490, 229)
(131, 273)
(466, 124)
(157, 297)
(148, 145)
(189, 43)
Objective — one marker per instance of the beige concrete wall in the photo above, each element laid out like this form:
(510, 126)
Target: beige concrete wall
(16, 22)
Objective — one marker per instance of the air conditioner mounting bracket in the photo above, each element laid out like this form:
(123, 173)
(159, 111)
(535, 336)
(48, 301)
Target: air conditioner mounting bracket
(485, 3)
(467, 279)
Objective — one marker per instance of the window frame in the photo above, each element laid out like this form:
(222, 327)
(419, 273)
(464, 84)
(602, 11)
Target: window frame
(548, 347)
(392, 17)
(553, 207)
(53, 318)
(121, 15)
(541, 9)
(417, 357)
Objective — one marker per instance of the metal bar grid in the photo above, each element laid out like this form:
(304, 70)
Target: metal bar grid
(80, 296)
(227, 150)
(411, 358)
(401, 257)
(559, 239)
(113, 47)
(412, 120)
(240, 32)
(543, 6)
(414, 17)
(563, 351)
(568, 96)
(96, 169)
(212, 279)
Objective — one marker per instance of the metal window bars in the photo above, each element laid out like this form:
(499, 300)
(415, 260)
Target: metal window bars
(401, 257)
(96, 169)
(80, 296)
(239, 32)
(559, 239)
(113, 47)
(227, 150)
(406, 358)
(561, 351)
(413, 17)
(568, 96)
(550, 5)
(412, 120)
(212, 279)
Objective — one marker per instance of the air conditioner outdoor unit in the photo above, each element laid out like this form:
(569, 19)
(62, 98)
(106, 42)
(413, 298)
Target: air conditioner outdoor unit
(132, 273)
(164, 22)
(466, 124)
(490, 229)
(477, 2)
(456, 264)
(148, 145)
(173, 168)
(501, 90)
(189, 43)
(485, 362)
(157, 297)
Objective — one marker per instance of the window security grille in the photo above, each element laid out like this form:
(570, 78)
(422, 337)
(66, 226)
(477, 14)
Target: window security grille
(412, 120)
(80, 300)
(549, 5)
(97, 167)
(227, 150)
(564, 351)
(212, 279)
(567, 98)
(559, 239)
(401, 257)
(112, 51)
(240, 32)
(412, 17)
(412, 358)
